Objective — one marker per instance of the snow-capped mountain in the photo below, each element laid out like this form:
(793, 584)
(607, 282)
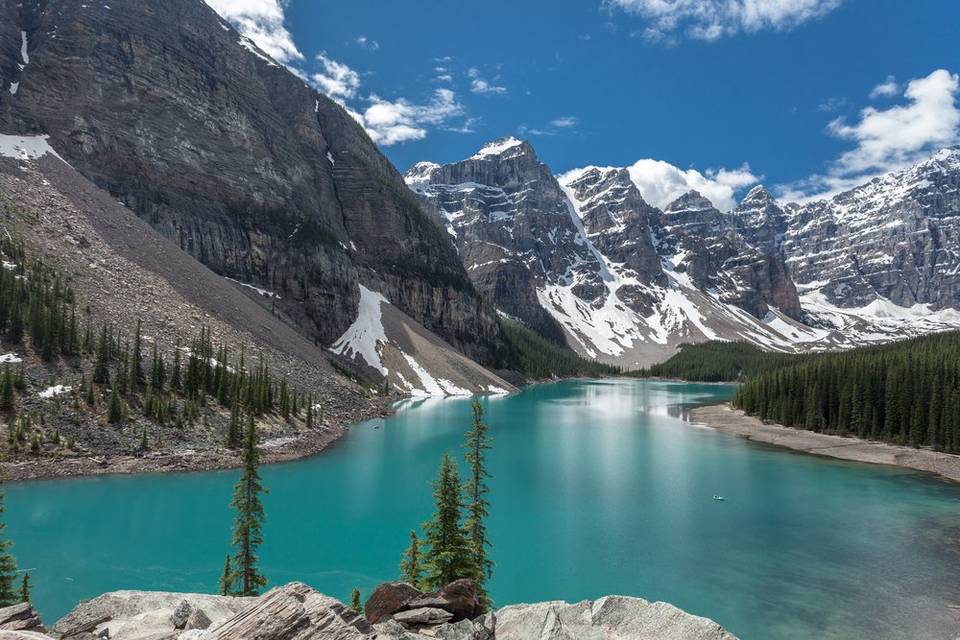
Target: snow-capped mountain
(626, 282)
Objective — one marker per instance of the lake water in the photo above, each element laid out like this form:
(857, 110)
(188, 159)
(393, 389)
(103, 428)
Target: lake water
(598, 487)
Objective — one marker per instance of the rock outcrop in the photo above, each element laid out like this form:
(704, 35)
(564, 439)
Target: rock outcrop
(298, 612)
(20, 617)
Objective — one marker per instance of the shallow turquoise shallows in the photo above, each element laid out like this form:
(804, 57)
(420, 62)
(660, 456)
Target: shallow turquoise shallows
(598, 487)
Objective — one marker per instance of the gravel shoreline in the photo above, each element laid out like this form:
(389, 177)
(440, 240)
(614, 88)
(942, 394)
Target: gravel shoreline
(284, 449)
(726, 419)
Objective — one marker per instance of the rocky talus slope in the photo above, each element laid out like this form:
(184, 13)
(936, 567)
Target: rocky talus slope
(121, 270)
(627, 282)
(395, 611)
(165, 107)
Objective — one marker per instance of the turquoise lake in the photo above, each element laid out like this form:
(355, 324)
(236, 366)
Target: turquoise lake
(598, 487)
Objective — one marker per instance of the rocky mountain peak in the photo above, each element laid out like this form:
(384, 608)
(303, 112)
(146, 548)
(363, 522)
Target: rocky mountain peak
(692, 200)
(504, 148)
(758, 196)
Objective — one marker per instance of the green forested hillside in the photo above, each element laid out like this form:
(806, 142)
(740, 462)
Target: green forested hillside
(906, 392)
(716, 362)
(538, 358)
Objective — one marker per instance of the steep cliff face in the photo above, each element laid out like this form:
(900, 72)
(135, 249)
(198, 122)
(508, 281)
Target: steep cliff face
(165, 106)
(896, 237)
(628, 282)
(512, 226)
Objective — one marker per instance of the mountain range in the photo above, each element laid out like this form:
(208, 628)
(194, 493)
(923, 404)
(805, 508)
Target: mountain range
(585, 260)
(162, 111)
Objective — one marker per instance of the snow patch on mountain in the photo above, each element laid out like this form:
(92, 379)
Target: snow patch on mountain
(497, 147)
(26, 147)
(366, 334)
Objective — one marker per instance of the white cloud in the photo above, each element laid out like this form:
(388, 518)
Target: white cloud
(712, 19)
(337, 80)
(661, 183)
(262, 22)
(479, 85)
(386, 122)
(886, 89)
(889, 139)
(366, 43)
(565, 122)
(389, 122)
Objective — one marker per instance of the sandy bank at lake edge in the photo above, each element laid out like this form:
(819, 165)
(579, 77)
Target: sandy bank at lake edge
(726, 419)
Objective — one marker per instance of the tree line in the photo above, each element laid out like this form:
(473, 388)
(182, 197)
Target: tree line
(38, 310)
(538, 358)
(905, 393)
(716, 361)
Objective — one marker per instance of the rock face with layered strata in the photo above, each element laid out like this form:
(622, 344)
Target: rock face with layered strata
(264, 180)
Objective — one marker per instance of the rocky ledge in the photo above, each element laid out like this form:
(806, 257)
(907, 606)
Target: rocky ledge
(395, 611)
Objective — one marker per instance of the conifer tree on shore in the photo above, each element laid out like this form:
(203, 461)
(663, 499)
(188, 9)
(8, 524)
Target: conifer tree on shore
(8, 566)
(355, 603)
(477, 505)
(247, 536)
(449, 556)
(410, 569)
(25, 587)
(227, 578)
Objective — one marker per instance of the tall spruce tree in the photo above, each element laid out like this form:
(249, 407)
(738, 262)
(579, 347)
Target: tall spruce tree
(449, 556)
(247, 536)
(478, 442)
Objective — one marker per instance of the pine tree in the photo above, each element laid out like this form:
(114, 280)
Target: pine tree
(449, 555)
(355, 603)
(8, 566)
(234, 431)
(101, 371)
(25, 588)
(114, 407)
(227, 578)
(7, 395)
(137, 378)
(247, 536)
(175, 381)
(410, 569)
(310, 412)
(477, 443)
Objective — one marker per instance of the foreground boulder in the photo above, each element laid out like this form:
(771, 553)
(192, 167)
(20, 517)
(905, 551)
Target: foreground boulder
(298, 612)
(611, 617)
(142, 615)
(293, 612)
(397, 600)
(20, 617)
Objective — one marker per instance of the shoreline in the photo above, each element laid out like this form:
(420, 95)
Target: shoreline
(726, 419)
(278, 450)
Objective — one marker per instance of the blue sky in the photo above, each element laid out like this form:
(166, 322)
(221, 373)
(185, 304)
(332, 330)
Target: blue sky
(738, 90)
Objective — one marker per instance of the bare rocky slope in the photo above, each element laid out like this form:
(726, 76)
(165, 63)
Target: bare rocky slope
(232, 157)
(627, 283)
(121, 270)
